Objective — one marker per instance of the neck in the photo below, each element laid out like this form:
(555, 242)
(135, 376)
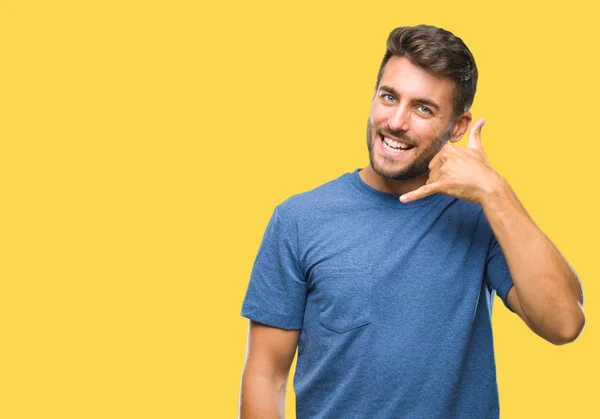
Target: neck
(391, 186)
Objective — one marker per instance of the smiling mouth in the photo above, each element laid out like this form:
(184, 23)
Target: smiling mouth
(394, 146)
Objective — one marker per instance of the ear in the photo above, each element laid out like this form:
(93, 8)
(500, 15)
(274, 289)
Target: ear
(460, 126)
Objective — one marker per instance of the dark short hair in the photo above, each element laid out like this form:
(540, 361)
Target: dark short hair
(440, 53)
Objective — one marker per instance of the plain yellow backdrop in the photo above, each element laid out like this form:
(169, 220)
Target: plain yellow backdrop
(144, 145)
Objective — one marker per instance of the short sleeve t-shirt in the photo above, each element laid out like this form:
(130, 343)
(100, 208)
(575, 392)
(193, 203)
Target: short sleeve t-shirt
(393, 300)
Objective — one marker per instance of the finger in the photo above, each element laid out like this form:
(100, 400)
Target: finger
(475, 134)
(434, 175)
(435, 163)
(420, 193)
(439, 159)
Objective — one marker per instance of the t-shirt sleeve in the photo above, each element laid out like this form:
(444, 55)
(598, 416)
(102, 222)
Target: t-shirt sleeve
(497, 274)
(276, 294)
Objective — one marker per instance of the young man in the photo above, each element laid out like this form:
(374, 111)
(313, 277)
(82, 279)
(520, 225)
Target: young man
(384, 278)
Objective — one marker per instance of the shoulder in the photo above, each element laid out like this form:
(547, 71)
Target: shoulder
(467, 210)
(458, 210)
(474, 214)
(304, 204)
(467, 216)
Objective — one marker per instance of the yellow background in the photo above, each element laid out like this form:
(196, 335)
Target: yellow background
(144, 145)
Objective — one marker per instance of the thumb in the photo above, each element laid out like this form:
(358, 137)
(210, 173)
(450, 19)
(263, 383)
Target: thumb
(475, 134)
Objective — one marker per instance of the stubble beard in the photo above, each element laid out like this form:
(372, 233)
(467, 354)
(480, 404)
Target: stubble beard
(417, 168)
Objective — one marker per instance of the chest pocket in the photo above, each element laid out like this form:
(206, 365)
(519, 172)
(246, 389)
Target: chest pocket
(344, 297)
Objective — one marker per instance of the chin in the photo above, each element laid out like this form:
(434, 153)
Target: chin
(393, 175)
(399, 173)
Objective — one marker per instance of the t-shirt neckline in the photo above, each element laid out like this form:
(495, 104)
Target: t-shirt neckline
(391, 200)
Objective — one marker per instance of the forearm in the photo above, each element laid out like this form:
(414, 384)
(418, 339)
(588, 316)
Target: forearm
(548, 290)
(262, 397)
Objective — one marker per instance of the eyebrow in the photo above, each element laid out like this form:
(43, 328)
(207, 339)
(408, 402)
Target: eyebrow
(420, 101)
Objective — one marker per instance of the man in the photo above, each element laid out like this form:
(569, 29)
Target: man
(384, 278)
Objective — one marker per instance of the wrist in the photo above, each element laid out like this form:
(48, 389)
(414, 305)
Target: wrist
(497, 194)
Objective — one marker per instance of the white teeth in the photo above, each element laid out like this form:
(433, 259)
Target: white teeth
(393, 150)
(394, 144)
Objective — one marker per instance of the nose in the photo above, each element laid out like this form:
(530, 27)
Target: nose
(399, 120)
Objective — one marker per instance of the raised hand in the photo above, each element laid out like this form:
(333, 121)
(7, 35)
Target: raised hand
(462, 172)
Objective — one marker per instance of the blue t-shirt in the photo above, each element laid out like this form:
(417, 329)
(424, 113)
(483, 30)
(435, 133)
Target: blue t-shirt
(394, 302)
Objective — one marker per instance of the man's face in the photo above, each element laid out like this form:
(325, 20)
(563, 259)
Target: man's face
(410, 120)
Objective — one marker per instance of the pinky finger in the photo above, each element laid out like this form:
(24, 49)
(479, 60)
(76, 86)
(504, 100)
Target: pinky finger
(419, 193)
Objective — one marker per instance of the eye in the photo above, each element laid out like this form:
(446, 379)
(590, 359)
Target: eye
(388, 98)
(424, 110)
